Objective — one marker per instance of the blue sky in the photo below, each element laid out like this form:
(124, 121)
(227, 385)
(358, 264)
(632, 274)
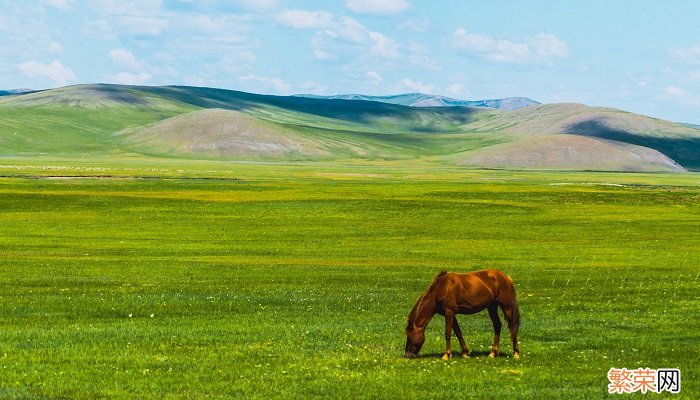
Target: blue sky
(641, 56)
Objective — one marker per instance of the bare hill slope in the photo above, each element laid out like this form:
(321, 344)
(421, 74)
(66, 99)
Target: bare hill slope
(569, 152)
(220, 133)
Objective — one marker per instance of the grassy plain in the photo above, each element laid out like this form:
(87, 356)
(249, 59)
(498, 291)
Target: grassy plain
(186, 280)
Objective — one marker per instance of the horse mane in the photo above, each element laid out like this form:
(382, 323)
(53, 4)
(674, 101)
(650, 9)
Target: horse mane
(434, 282)
(416, 308)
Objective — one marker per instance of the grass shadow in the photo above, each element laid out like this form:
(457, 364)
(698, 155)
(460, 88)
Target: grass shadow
(684, 151)
(472, 354)
(417, 119)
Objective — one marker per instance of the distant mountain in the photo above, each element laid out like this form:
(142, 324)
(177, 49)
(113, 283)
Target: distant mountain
(209, 123)
(429, 100)
(14, 91)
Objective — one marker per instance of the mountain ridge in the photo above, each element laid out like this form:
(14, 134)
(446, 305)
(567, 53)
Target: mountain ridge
(11, 92)
(429, 100)
(209, 123)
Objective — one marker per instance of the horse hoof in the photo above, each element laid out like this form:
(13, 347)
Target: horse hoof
(446, 357)
(516, 355)
(465, 355)
(492, 355)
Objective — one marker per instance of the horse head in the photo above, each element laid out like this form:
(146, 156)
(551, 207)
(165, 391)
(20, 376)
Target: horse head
(415, 337)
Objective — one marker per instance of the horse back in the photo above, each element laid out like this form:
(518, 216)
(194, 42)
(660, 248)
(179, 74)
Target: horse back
(473, 291)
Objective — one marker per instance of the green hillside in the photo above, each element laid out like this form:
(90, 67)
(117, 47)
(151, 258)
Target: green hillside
(77, 120)
(205, 123)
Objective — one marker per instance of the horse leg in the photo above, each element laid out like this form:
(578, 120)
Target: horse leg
(493, 313)
(513, 327)
(449, 319)
(458, 333)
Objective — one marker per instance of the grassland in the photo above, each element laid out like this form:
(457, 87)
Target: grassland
(178, 279)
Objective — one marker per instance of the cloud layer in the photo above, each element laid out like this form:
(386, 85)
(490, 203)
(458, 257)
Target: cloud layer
(461, 49)
(374, 7)
(540, 47)
(56, 72)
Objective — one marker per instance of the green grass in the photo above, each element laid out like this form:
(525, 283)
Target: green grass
(61, 130)
(294, 280)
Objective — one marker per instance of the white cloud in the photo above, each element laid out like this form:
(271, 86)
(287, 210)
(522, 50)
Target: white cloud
(490, 48)
(507, 52)
(417, 86)
(375, 77)
(378, 7)
(419, 55)
(540, 47)
(690, 55)
(302, 19)
(417, 48)
(324, 46)
(218, 41)
(383, 46)
(225, 24)
(222, 6)
(424, 62)
(548, 45)
(345, 37)
(143, 17)
(340, 37)
(127, 78)
(125, 58)
(675, 91)
(64, 5)
(350, 30)
(261, 84)
(681, 96)
(323, 55)
(140, 72)
(54, 71)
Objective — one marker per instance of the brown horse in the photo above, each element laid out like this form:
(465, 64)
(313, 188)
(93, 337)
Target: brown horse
(452, 293)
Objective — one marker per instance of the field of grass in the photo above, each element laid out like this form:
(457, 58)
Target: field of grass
(188, 280)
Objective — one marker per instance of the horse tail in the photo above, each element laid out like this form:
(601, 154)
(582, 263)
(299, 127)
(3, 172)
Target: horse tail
(516, 311)
(509, 305)
(513, 319)
(515, 324)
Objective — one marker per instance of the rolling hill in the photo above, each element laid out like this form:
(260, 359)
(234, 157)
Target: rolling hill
(207, 123)
(219, 133)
